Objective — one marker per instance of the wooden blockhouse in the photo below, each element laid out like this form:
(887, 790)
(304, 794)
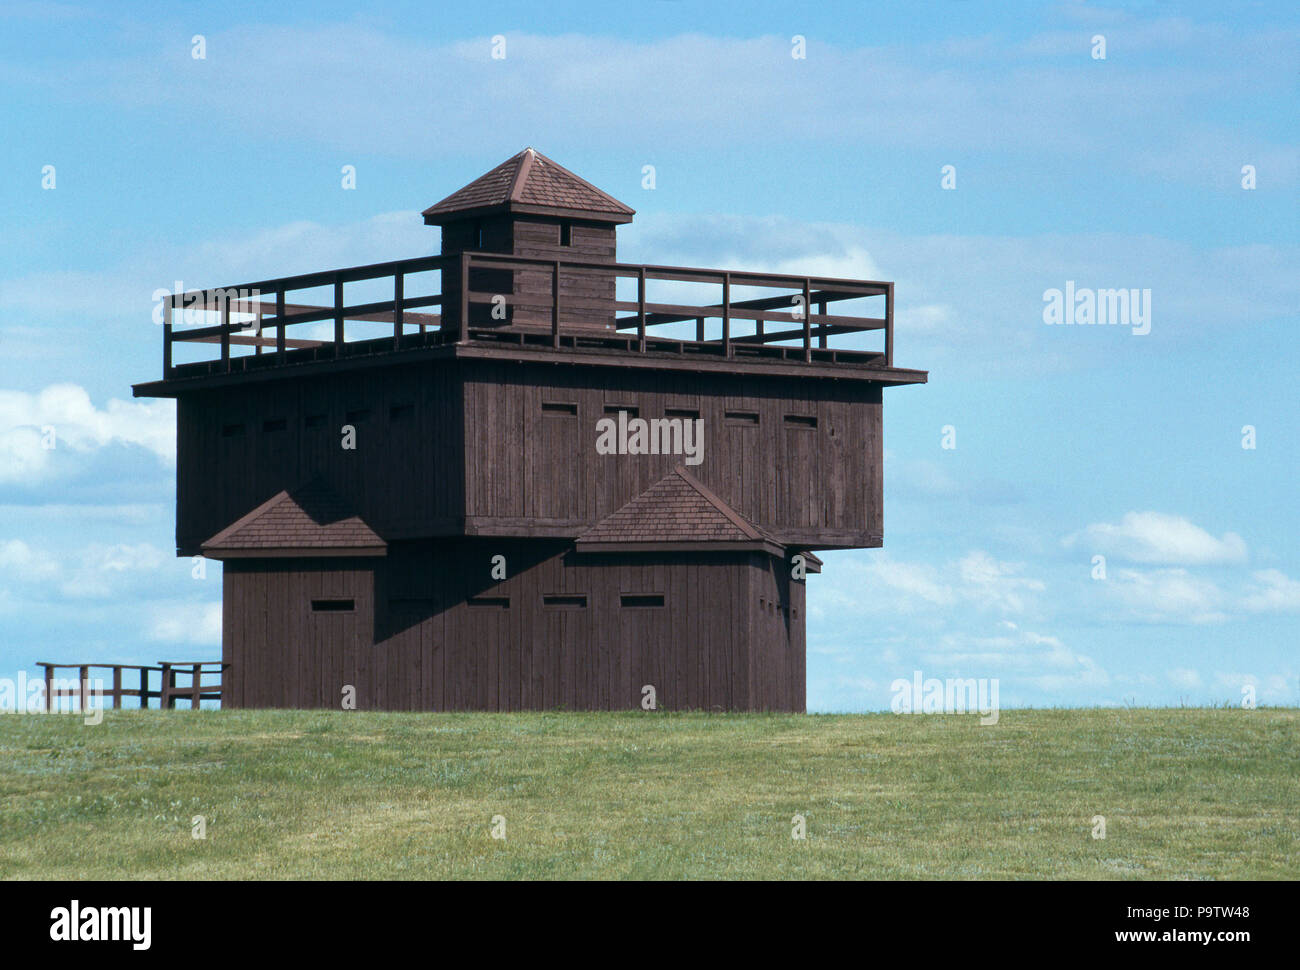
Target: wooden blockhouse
(399, 465)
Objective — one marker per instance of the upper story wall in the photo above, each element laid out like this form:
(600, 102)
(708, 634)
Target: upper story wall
(490, 447)
(238, 446)
(800, 458)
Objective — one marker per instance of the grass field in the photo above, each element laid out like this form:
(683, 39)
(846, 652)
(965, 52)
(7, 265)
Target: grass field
(1186, 794)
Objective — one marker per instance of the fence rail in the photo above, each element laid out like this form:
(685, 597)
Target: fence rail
(167, 693)
(267, 305)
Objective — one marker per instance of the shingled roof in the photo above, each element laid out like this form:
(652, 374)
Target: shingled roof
(529, 182)
(676, 512)
(310, 520)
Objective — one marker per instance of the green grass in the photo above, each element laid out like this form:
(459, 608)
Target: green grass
(1186, 794)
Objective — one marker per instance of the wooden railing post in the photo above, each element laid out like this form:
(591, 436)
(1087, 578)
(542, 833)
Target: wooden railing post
(463, 336)
(165, 685)
(726, 314)
(699, 329)
(196, 687)
(555, 304)
(398, 296)
(821, 329)
(279, 325)
(167, 337)
(807, 320)
(84, 685)
(889, 324)
(640, 311)
(225, 334)
(338, 315)
(117, 687)
(49, 686)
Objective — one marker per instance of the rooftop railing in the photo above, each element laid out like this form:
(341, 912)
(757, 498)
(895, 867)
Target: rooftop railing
(254, 319)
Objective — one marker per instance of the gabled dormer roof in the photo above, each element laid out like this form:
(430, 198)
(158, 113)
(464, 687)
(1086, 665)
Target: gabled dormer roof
(310, 520)
(676, 512)
(529, 183)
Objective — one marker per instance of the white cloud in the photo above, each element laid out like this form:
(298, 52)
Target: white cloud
(1273, 591)
(93, 571)
(1185, 677)
(1275, 688)
(1157, 538)
(187, 623)
(888, 585)
(55, 514)
(891, 586)
(98, 570)
(20, 559)
(853, 263)
(1167, 596)
(35, 429)
(927, 319)
(1031, 658)
(922, 477)
(997, 584)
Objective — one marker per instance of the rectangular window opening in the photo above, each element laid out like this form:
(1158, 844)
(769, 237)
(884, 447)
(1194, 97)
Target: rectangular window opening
(275, 424)
(631, 409)
(401, 412)
(314, 421)
(565, 602)
(359, 415)
(745, 418)
(232, 431)
(688, 413)
(559, 408)
(642, 600)
(490, 602)
(333, 606)
(566, 234)
(801, 420)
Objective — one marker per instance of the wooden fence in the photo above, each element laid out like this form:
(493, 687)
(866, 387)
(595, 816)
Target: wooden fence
(167, 693)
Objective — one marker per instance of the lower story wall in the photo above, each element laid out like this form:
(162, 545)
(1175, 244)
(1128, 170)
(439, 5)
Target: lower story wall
(429, 628)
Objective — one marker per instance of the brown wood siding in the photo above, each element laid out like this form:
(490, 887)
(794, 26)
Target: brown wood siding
(529, 467)
(405, 476)
(540, 239)
(586, 297)
(416, 641)
(450, 447)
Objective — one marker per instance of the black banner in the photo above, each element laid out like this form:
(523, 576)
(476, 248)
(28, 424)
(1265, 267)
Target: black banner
(943, 920)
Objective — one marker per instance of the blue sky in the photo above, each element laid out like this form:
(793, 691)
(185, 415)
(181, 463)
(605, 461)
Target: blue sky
(1071, 442)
